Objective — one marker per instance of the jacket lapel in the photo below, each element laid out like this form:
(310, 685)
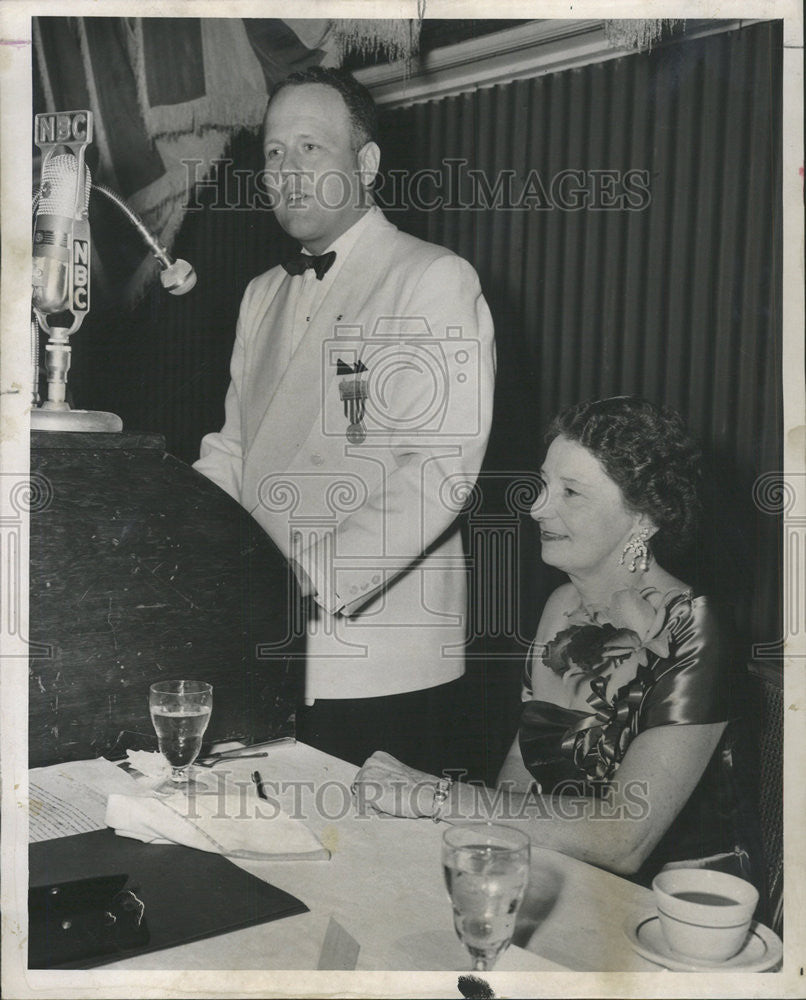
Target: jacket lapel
(297, 402)
(269, 359)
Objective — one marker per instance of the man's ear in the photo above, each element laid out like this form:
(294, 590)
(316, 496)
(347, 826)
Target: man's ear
(369, 159)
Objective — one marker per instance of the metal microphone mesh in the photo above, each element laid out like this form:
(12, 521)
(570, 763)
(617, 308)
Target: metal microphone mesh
(59, 186)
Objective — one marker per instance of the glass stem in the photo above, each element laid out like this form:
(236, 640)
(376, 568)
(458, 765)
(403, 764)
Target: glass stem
(480, 964)
(178, 774)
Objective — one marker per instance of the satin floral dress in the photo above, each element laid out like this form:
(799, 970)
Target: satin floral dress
(648, 660)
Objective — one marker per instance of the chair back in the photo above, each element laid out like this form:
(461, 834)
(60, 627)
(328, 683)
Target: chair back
(767, 679)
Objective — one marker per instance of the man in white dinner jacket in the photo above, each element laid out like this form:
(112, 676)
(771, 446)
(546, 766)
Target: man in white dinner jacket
(355, 424)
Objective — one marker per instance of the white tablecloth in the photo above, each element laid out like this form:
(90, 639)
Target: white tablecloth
(384, 886)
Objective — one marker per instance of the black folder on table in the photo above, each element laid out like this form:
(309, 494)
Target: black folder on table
(186, 895)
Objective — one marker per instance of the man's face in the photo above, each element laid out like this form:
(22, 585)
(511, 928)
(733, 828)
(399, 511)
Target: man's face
(314, 171)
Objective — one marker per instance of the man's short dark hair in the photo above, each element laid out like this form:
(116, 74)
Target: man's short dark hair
(359, 102)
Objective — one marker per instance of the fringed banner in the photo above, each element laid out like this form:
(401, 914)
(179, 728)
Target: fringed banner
(396, 38)
(638, 33)
(197, 74)
(198, 83)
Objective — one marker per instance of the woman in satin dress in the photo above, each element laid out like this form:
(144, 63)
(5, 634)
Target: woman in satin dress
(627, 696)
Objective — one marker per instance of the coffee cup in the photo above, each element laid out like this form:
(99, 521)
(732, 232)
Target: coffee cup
(704, 915)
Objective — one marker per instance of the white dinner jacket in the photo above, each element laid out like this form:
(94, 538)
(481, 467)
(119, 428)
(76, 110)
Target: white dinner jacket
(373, 523)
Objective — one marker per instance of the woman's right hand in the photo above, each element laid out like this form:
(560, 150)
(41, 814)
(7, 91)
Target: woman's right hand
(386, 785)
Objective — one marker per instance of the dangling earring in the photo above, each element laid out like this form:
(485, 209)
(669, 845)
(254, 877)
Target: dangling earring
(638, 550)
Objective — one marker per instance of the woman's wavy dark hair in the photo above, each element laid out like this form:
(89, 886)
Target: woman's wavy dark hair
(647, 452)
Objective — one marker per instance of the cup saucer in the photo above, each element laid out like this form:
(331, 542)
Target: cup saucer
(761, 951)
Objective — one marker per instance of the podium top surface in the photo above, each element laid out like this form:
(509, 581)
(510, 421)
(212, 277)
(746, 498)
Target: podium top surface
(88, 441)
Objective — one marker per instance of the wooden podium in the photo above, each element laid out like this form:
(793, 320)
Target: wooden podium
(142, 570)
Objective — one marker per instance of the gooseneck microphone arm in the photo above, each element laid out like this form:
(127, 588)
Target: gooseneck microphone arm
(177, 276)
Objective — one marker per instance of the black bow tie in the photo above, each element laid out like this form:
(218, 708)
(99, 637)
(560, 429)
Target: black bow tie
(300, 263)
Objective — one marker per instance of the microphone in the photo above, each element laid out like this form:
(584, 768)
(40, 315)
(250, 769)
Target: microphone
(61, 205)
(178, 276)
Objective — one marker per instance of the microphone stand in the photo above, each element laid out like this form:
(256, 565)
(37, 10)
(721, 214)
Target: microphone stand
(177, 277)
(56, 414)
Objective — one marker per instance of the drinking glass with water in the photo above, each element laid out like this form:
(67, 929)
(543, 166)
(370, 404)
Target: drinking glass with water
(180, 712)
(486, 872)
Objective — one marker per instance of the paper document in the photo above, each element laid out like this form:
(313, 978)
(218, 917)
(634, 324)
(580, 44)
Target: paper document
(64, 799)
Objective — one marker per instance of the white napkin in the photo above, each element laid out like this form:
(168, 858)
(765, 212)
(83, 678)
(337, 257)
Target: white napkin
(149, 763)
(237, 824)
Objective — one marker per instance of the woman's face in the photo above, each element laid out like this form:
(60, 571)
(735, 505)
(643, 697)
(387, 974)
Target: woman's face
(584, 524)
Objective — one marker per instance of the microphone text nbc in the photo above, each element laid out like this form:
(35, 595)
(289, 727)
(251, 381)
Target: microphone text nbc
(81, 276)
(63, 126)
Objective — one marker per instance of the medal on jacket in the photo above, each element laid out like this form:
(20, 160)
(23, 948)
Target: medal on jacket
(353, 393)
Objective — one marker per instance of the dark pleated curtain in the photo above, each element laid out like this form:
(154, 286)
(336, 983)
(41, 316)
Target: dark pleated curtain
(663, 282)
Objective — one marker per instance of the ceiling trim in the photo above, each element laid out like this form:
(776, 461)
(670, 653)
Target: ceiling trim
(529, 50)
